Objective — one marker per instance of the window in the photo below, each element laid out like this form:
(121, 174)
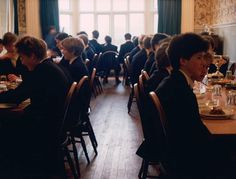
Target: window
(109, 17)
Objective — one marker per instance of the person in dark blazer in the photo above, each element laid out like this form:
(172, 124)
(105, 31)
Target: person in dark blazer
(97, 47)
(36, 132)
(111, 61)
(163, 68)
(72, 49)
(137, 48)
(88, 53)
(191, 152)
(155, 42)
(125, 48)
(139, 60)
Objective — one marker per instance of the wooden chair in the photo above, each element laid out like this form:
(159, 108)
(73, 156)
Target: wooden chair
(65, 139)
(145, 75)
(92, 84)
(162, 116)
(147, 149)
(80, 125)
(126, 73)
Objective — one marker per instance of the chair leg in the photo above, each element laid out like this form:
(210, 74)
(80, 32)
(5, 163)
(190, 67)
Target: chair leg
(130, 100)
(145, 169)
(91, 133)
(75, 155)
(141, 170)
(84, 148)
(70, 161)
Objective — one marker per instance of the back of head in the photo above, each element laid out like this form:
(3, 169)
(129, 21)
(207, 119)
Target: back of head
(128, 36)
(84, 38)
(157, 38)
(28, 45)
(61, 36)
(140, 40)
(73, 45)
(9, 38)
(82, 32)
(108, 39)
(95, 34)
(161, 56)
(147, 42)
(185, 46)
(135, 40)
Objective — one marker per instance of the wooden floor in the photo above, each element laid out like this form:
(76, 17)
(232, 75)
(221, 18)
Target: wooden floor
(118, 134)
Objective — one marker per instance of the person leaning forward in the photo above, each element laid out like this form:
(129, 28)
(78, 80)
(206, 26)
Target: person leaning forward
(36, 133)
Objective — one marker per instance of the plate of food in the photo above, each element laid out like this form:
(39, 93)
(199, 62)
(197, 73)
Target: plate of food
(216, 113)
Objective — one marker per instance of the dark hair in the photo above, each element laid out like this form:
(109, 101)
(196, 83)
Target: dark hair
(108, 39)
(9, 38)
(128, 36)
(135, 40)
(157, 38)
(82, 32)
(1, 41)
(61, 36)
(185, 46)
(147, 42)
(95, 34)
(84, 38)
(161, 56)
(28, 45)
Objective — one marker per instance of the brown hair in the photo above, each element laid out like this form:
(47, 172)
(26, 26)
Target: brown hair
(28, 45)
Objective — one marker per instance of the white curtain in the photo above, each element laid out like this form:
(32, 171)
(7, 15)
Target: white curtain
(6, 16)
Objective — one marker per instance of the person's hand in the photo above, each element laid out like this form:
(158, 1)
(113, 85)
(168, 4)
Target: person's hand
(12, 77)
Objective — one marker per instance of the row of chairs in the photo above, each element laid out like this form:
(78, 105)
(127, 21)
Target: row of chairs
(76, 124)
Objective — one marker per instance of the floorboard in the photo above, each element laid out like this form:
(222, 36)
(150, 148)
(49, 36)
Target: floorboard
(118, 134)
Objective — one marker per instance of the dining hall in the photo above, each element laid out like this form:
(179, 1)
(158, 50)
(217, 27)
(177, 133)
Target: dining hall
(117, 89)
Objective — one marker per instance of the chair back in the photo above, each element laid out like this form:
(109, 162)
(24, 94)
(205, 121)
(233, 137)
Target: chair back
(145, 75)
(160, 110)
(92, 78)
(108, 60)
(70, 93)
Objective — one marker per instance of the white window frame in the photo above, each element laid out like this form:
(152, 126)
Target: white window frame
(148, 12)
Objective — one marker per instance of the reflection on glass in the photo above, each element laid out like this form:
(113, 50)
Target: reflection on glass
(119, 28)
(136, 28)
(87, 23)
(103, 26)
(64, 4)
(86, 5)
(120, 5)
(103, 5)
(136, 5)
(65, 23)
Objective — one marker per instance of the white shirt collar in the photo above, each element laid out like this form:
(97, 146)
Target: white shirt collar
(189, 80)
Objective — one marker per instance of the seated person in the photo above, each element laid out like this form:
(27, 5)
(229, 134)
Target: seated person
(72, 49)
(163, 68)
(190, 149)
(155, 42)
(110, 61)
(88, 53)
(10, 63)
(36, 132)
